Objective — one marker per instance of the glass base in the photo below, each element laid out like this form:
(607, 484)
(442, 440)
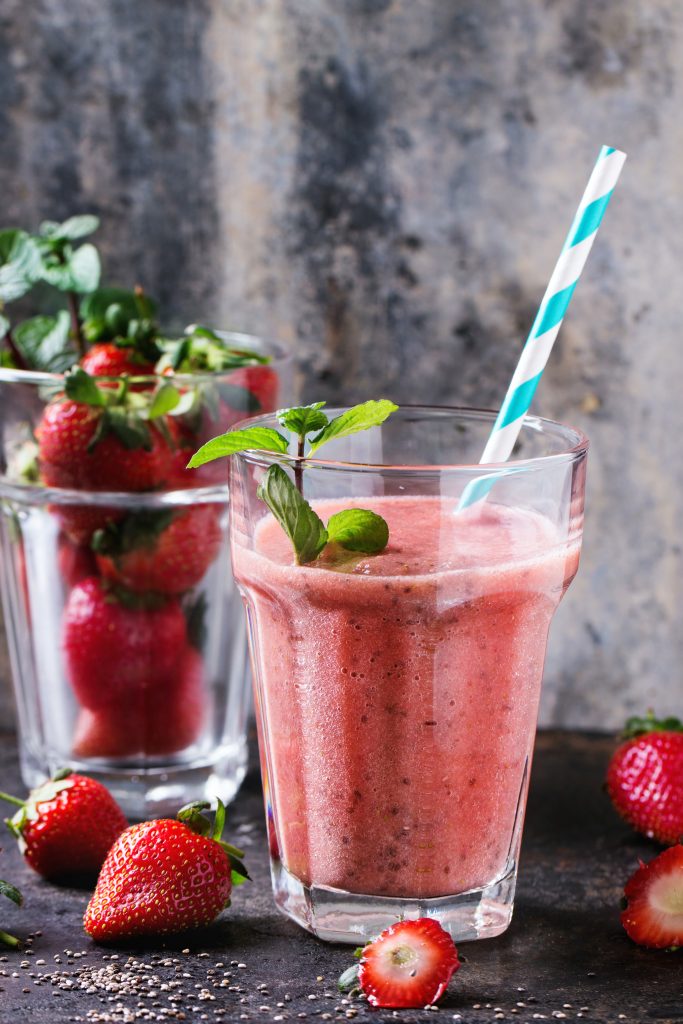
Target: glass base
(338, 916)
(155, 791)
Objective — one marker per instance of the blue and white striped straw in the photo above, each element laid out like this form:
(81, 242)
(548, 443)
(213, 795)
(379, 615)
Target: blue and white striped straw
(548, 319)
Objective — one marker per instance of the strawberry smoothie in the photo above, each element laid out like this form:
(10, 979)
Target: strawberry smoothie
(399, 692)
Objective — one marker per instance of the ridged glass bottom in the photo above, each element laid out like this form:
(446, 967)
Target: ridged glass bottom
(156, 791)
(338, 916)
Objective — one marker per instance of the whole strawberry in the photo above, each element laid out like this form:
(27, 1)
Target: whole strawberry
(165, 876)
(149, 723)
(645, 777)
(167, 552)
(66, 826)
(117, 645)
(408, 965)
(91, 439)
(653, 911)
(107, 359)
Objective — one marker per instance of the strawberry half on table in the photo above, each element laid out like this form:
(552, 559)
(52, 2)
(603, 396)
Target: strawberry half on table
(408, 965)
(653, 902)
(165, 876)
(645, 778)
(66, 826)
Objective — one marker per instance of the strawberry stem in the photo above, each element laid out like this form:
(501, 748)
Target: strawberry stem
(12, 799)
(9, 940)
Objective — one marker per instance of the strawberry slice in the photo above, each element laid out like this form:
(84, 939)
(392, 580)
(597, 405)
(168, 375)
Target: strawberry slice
(408, 965)
(654, 902)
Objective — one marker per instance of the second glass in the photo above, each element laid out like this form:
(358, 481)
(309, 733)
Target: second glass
(397, 694)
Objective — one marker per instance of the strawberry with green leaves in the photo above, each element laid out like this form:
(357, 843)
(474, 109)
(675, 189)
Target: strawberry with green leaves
(167, 551)
(66, 826)
(165, 876)
(117, 645)
(645, 777)
(102, 439)
(653, 902)
(408, 965)
(107, 359)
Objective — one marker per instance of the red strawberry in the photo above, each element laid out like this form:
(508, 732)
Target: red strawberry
(72, 454)
(152, 724)
(645, 778)
(109, 360)
(167, 552)
(67, 826)
(115, 647)
(654, 901)
(408, 965)
(76, 561)
(164, 876)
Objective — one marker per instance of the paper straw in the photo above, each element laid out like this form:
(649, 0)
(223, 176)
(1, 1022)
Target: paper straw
(549, 319)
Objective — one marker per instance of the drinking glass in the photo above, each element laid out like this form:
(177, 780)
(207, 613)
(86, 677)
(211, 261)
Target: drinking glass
(397, 694)
(159, 712)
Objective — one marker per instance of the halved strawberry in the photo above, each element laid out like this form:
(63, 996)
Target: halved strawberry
(408, 965)
(654, 902)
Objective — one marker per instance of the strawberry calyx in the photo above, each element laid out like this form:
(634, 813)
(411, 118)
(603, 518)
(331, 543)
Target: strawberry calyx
(133, 533)
(28, 809)
(642, 725)
(191, 816)
(147, 601)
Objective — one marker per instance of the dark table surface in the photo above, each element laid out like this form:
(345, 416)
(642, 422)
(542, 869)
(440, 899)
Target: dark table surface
(565, 955)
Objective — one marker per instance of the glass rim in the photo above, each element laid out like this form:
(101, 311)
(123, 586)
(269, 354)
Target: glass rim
(573, 452)
(280, 353)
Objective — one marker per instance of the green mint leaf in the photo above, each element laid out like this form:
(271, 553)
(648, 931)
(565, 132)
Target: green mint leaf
(20, 264)
(359, 529)
(213, 351)
(44, 342)
(165, 400)
(4, 325)
(75, 227)
(260, 439)
(303, 419)
(349, 979)
(98, 302)
(304, 528)
(80, 272)
(11, 892)
(79, 386)
(360, 417)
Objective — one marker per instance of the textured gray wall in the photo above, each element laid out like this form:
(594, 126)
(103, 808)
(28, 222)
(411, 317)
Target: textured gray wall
(386, 184)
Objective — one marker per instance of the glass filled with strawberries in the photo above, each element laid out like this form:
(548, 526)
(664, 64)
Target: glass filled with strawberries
(124, 628)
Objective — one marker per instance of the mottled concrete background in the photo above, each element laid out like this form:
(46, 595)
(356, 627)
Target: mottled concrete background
(386, 184)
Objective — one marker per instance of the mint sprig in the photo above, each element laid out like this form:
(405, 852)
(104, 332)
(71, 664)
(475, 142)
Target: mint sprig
(355, 529)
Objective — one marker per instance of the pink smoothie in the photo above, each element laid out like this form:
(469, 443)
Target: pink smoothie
(399, 692)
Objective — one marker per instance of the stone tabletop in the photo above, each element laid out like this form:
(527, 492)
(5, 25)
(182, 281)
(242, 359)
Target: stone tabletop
(564, 956)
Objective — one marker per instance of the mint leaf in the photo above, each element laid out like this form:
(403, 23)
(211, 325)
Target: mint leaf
(44, 342)
(79, 386)
(4, 325)
(79, 273)
(348, 980)
(304, 528)
(97, 303)
(359, 529)
(11, 892)
(360, 417)
(165, 400)
(262, 439)
(303, 419)
(19, 264)
(72, 228)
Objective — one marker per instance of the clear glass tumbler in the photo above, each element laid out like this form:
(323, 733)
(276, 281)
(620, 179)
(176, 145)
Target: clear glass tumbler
(125, 630)
(397, 694)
